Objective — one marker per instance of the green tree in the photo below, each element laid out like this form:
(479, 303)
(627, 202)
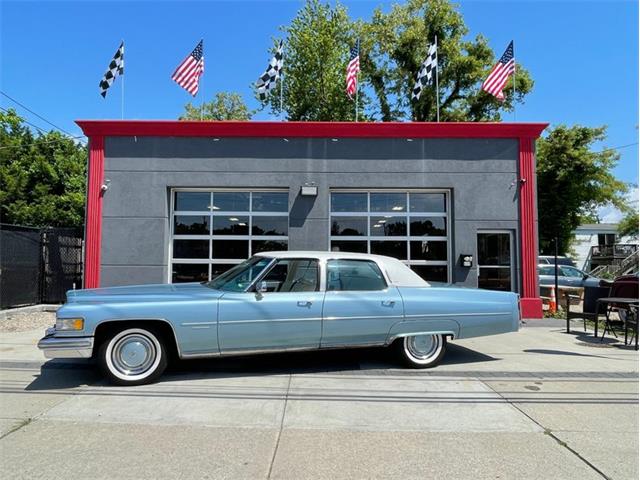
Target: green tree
(394, 47)
(316, 54)
(224, 106)
(573, 182)
(42, 178)
(628, 226)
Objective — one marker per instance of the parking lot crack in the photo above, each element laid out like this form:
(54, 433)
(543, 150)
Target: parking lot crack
(550, 433)
(284, 411)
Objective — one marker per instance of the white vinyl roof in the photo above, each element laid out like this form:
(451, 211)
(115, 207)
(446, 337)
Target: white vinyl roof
(397, 272)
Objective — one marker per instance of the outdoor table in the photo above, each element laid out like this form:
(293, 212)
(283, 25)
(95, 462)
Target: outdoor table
(625, 302)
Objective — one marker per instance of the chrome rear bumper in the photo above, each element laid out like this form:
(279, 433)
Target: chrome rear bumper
(65, 347)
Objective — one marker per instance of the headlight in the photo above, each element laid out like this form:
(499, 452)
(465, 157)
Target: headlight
(69, 323)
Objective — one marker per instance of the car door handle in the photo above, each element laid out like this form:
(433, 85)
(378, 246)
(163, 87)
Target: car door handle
(388, 303)
(305, 303)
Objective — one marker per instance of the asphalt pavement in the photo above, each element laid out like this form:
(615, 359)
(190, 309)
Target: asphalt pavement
(534, 404)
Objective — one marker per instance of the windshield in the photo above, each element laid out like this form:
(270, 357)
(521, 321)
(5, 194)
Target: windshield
(241, 276)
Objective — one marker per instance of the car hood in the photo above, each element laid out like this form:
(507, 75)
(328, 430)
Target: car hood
(142, 293)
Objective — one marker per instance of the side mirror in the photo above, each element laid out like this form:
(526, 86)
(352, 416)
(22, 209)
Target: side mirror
(261, 287)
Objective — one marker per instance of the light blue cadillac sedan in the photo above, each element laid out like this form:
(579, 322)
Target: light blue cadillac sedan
(275, 301)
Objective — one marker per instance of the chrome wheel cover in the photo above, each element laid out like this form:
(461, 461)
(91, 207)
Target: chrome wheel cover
(133, 354)
(423, 349)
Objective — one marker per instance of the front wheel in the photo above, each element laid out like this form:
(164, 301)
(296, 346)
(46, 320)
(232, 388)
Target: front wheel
(133, 356)
(422, 351)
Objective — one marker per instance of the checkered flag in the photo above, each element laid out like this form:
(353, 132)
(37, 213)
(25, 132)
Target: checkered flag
(426, 72)
(271, 75)
(116, 67)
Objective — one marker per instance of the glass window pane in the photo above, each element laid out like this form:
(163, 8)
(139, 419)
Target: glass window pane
(495, 279)
(349, 226)
(293, 275)
(494, 249)
(428, 226)
(428, 202)
(219, 269)
(230, 225)
(191, 225)
(181, 273)
(270, 201)
(258, 246)
(192, 201)
(230, 249)
(390, 249)
(350, 275)
(231, 201)
(429, 250)
(348, 246)
(388, 226)
(431, 273)
(240, 276)
(348, 202)
(270, 225)
(388, 202)
(191, 249)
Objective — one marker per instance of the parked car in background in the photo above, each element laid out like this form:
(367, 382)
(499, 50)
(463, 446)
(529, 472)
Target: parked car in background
(551, 259)
(272, 302)
(568, 276)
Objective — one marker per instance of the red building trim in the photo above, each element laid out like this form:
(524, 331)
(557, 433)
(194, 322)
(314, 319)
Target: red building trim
(93, 232)
(530, 301)
(164, 128)
(96, 130)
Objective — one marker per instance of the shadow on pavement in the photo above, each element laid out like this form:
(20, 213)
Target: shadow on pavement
(69, 374)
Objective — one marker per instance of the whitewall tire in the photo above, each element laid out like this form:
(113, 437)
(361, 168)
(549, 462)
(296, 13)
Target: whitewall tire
(422, 351)
(133, 356)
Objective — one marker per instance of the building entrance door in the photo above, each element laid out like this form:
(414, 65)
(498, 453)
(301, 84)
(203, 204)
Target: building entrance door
(496, 260)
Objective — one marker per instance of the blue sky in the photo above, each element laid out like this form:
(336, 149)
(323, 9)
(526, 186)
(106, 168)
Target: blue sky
(583, 56)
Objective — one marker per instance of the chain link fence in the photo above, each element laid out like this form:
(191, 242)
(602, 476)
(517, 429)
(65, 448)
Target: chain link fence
(38, 265)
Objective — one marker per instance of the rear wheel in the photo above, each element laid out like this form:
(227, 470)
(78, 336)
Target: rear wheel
(133, 356)
(422, 351)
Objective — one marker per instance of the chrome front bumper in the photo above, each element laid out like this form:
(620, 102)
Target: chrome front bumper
(65, 347)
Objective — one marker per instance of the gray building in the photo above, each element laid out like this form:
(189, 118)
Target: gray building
(184, 201)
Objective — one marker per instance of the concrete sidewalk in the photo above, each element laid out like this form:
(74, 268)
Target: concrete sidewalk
(534, 404)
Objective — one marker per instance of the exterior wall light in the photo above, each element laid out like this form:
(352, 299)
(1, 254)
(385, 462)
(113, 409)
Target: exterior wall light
(309, 189)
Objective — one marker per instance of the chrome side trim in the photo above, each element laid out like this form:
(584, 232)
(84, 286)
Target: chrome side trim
(485, 314)
(364, 317)
(191, 324)
(304, 319)
(66, 347)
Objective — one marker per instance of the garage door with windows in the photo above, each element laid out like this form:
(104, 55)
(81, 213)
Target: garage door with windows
(412, 226)
(212, 230)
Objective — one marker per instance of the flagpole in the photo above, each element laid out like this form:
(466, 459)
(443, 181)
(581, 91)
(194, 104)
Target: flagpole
(122, 90)
(514, 84)
(357, 88)
(282, 83)
(437, 84)
(281, 94)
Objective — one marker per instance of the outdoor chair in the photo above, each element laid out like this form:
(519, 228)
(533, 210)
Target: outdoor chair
(589, 305)
(625, 287)
(631, 320)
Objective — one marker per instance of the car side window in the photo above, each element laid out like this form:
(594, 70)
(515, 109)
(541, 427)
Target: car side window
(570, 272)
(354, 275)
(293, 275)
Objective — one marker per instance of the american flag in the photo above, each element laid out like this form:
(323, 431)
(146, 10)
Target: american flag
(352, 70)
(500, 73)
(187, 75)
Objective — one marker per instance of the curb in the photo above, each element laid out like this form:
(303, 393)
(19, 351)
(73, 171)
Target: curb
(7, 314)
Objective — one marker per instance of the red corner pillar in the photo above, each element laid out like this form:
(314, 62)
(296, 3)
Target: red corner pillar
(530, 295)
(93, 214)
